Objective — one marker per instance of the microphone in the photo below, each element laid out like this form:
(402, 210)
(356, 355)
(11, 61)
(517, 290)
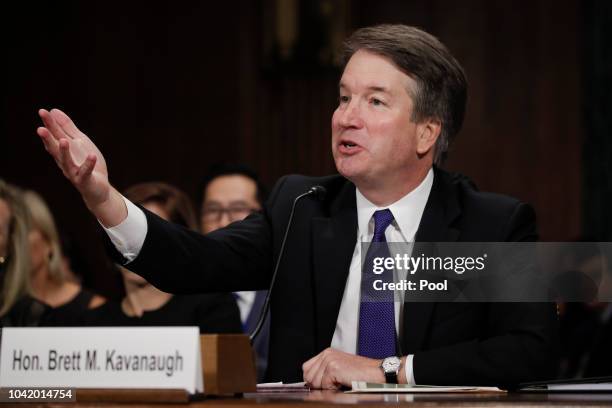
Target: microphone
(317, 192)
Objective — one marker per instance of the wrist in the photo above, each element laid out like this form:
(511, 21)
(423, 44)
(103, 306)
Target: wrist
(401, 375)
(391, 368)
(378, 373)
(110, 211)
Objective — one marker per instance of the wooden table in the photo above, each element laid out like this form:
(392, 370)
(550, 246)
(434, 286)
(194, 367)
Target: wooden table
(335, 399)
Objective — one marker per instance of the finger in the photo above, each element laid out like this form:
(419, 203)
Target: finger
(310, 372)
(320, 372)
(86, 168)
(66, 123)
(328, 381)
(51, 124)
(66, 163)
(317, 378)
(50, 143)
(308, 364)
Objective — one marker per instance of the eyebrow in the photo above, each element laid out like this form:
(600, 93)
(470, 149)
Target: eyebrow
(233, 202)
(370, 88)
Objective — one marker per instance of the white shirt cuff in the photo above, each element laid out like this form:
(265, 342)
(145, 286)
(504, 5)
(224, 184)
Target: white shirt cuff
(128, 236)
(409, 370)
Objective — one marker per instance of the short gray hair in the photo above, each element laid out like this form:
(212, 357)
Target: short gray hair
(441, 83)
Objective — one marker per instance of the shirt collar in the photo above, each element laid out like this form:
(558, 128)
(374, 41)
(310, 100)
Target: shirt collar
(407, 211)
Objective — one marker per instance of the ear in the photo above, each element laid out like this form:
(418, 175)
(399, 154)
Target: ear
(428, 132)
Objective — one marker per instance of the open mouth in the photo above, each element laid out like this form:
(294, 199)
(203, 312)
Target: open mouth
(348, 147)
(348, 143)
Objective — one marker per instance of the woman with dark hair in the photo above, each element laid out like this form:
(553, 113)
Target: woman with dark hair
(144, 304)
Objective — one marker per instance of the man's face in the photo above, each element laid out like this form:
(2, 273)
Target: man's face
(373, 137)
(227, 199)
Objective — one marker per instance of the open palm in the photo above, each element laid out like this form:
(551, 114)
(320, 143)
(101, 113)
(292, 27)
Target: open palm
(76, 155)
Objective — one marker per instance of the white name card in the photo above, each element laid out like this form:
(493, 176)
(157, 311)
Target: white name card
(102, 357)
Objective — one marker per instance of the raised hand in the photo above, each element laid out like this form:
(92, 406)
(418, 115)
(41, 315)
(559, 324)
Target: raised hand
(83, 164)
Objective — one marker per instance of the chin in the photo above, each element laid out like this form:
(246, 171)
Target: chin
(134, 279)
(350, 170)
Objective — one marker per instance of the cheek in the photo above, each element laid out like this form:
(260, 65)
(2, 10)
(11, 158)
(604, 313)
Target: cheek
(38, 248)
(210, 226)
(36, 255)
(335, 124)
(3, 241)
(398, 137)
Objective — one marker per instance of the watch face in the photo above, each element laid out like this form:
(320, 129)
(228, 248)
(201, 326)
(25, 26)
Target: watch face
(391, 364)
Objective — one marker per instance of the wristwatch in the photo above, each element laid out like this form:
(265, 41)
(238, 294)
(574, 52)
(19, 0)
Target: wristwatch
(391, 367)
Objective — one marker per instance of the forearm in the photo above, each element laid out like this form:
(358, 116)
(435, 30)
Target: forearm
(178, 260)
(110, 212)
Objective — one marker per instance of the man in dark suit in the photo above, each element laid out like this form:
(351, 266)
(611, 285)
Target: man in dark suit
(402, 100)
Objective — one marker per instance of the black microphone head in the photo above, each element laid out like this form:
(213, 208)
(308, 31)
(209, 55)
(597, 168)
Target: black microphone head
(318, 191)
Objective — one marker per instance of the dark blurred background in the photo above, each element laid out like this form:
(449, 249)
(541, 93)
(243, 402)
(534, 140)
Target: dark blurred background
(167, 88)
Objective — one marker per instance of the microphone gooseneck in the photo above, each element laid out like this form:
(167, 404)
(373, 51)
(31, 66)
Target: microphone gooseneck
(319, 193)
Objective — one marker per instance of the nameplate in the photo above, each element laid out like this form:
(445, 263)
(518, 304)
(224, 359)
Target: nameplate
(102, 357)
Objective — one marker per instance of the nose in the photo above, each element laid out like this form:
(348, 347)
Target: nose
(349, 115)
(224, 220)
(210, 225)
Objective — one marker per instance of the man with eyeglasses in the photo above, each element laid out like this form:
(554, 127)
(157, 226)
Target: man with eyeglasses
(230, 192)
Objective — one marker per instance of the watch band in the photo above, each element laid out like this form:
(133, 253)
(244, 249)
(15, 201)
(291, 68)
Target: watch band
(391, 367)
(391, 378)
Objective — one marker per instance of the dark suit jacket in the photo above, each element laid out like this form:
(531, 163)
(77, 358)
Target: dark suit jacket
(453, 343)
(262, 342)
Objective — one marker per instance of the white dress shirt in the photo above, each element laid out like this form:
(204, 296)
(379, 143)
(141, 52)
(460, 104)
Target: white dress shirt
(128, 237)
(407, 213)
(245, 300)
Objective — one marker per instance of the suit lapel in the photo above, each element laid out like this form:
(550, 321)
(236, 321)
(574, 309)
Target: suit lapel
(253, 317)
(334, 239)
(441, 210)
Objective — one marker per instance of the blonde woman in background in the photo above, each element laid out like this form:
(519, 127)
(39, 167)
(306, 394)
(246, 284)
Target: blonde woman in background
(17, 306)
(50, 283)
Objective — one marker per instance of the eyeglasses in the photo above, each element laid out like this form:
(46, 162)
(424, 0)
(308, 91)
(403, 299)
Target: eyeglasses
(214, 214)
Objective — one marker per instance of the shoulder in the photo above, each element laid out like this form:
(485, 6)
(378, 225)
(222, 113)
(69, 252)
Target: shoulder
(108, 313)
(491, 215)
(204, 300)
(298, 184)
(288, 187)
(26, 311)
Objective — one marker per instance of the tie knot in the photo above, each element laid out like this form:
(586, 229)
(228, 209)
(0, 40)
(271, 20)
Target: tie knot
(382, 219)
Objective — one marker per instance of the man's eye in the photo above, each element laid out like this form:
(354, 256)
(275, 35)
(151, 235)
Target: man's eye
(343, 99)
(376, 102)
(239, 209)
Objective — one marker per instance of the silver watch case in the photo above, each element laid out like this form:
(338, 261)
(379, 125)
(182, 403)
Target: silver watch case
(391, 364)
